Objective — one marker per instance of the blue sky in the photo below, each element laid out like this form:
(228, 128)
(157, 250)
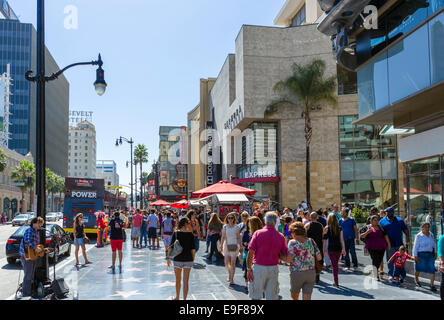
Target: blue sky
(154, 53)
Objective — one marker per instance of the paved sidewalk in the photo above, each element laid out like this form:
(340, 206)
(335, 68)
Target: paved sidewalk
(146, 276)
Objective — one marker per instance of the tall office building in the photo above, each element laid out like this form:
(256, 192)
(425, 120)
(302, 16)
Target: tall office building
(18, 43)
(82, 151)
(107, 170)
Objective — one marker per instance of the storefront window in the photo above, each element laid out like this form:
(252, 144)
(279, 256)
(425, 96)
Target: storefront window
(368, 165)
(425, 195)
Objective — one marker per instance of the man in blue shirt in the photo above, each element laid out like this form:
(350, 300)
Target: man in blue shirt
(394, 227)
(31, 239)
(350, 233)
(321, 218)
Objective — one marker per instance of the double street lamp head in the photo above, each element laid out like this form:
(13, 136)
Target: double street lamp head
(100, 83)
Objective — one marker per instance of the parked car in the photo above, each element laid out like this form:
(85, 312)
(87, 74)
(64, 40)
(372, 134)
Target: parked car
(60, 215)
(21, 219)
(56, 238)
(52, 216)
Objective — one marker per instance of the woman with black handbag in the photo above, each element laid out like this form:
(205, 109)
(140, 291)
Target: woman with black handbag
(182, 250)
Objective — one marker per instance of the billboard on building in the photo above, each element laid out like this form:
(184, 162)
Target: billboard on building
(78, 116)
(164, 178)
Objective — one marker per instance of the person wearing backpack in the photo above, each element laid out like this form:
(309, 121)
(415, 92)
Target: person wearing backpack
(167, 230)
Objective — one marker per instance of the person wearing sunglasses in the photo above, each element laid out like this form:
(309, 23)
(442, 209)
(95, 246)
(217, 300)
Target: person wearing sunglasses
(231, 244)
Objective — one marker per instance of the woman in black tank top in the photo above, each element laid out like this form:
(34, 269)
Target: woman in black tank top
(79, 238)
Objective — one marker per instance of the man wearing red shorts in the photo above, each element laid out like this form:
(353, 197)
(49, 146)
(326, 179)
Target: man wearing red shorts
(116, 228)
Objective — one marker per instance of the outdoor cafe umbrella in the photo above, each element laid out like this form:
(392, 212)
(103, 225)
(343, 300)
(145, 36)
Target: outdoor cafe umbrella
(182, 204)
(222, 187)
(160, 203)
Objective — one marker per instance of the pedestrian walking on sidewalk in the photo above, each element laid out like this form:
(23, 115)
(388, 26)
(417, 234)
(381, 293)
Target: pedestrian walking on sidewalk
(253, 224)
(399, 259)
(424, 251)
(101, 227)
(144, 229)
(335, 247)
(185, 260)
(303, 253)
(194, 228)
(441, 266)
(376, 242)
(315, 231)
(116, 228)
(266, 248)
(167, 231)
(80, 238)
(350, 232)
(214, 231)
(135, 229)
(394, 227)
(231, 245)
(153, 224)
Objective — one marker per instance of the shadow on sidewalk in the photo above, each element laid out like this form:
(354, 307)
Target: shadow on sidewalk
(327, 288)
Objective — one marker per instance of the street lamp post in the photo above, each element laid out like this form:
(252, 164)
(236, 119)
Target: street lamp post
(119, 141)
(40, 78)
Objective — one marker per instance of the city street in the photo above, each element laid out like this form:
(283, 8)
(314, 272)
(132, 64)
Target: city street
(146, 276)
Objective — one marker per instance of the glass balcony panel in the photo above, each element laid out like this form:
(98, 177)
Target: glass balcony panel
(436, 34)
(372, 86)
(409, 65)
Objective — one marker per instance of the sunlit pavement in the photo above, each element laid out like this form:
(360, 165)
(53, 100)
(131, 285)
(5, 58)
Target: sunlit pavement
(146, 276)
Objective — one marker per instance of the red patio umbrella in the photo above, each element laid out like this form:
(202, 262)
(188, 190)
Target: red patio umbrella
(182, 204)
(222, 187)
(160, 203)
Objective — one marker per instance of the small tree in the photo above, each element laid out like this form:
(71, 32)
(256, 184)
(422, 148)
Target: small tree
(306, 89)
(3, 161)
(24, 174)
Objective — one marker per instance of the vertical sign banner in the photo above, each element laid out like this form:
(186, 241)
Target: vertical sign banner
(209, 153)
(2, 103)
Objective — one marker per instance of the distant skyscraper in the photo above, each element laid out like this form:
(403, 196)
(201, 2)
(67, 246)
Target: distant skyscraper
(82, 151)
(107, 170)
(18, 43)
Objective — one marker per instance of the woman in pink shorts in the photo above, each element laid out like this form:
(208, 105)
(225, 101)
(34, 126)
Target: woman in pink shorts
(116, 229)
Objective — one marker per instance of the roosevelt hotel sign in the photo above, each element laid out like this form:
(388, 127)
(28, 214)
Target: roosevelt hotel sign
(78, 116)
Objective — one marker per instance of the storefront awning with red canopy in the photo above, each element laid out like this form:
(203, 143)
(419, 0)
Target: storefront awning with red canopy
(222, 187)
(160, 203)
(182, 204)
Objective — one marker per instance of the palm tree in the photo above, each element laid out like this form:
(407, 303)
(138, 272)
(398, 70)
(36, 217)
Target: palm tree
(140, 157)
(306, 88)
(51, 185)
(23, 174)
(60, 187)
(144, 181)
(3, 161)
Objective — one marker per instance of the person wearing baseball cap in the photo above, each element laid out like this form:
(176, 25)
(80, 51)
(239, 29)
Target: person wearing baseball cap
(394, 227)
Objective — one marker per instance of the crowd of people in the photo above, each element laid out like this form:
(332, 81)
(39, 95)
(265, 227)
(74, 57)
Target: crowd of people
(305, 241)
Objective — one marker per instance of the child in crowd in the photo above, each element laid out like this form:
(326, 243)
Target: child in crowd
(400, 258)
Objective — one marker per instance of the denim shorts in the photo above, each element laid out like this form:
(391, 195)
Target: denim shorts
(152, 233)
(79, 242)
(183, 264)
(399, 272)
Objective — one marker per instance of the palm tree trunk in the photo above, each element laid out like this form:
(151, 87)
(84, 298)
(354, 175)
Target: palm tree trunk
(307, 172)
(23, 200)
(141, 186)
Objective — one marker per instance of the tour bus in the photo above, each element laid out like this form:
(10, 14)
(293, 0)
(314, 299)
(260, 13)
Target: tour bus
(83, 196)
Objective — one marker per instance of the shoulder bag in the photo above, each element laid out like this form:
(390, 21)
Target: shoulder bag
(318, 265)
(177, 248)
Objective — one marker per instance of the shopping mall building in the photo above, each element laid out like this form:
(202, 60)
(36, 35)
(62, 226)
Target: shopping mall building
(264, 148)
(400, 71)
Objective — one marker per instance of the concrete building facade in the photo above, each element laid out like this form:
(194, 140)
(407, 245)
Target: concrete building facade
(10, 195)
(107, 170)
(82, 151)
(197, 122)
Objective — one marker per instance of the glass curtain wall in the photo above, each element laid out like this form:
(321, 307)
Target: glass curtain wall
(424, 194)
(368, 165)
